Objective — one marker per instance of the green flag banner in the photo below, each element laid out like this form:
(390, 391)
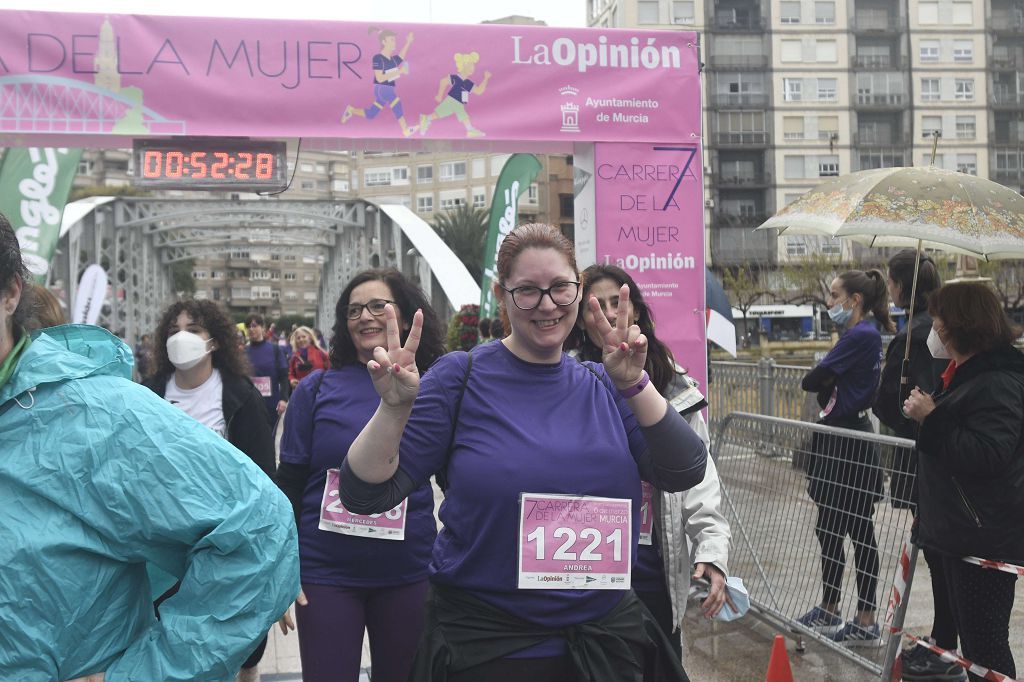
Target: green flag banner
(34, 186)
(516, 176)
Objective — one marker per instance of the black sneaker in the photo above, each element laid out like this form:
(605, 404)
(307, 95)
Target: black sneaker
(921, 664)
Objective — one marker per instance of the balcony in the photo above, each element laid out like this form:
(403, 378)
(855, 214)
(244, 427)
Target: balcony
(744, 181)
(737, 25)
(734, 246)
(1007, 22)
(735, 220)
(740, 139)
(879, 100)
(735, 99)
(875, 62)
(1003, 97)
(1006, 62)
(1013, 177)
(742, 62)
(876, 23)
(885, 140)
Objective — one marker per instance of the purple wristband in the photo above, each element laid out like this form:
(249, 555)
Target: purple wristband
(636, 388)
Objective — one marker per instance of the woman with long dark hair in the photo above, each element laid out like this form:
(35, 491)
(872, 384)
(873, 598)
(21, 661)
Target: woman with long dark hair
(845, 477)
(918, 662)
(359, 573)
(971, 465)
(199, 368)
(661, 575)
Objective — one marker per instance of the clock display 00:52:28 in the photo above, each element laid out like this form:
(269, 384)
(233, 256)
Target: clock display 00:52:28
(199, 165)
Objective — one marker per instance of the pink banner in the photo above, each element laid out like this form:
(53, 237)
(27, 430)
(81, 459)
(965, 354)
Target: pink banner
(650, 222)
(130, 75)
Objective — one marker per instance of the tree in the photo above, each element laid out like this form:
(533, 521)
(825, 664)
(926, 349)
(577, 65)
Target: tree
(808, 279)
(744, 284)
(464, 230)
(181, 277)
(1007, 279)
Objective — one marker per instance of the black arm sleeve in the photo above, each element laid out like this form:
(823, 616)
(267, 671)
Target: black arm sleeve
(291, 479)
(361, 497)
(818, 379)
(675, 457)
(252, 434)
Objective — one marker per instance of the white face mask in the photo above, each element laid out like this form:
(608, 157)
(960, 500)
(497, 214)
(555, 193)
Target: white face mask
(185, 350)
(935, 345)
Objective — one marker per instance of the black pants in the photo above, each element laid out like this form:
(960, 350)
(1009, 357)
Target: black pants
(547, 669)
(832, 528)
(982, 599)
(944, 625)
(660, 606)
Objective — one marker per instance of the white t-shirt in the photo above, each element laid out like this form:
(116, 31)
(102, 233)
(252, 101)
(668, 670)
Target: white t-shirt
(204, 403)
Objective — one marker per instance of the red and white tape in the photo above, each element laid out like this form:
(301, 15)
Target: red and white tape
(951, 657)
(997, 565)
(899, 583)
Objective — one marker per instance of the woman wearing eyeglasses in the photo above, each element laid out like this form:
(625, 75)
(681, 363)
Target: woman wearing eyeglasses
(358, 572)
(543, 458)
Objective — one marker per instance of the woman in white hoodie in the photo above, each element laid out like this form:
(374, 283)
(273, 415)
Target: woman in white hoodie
(672, 523)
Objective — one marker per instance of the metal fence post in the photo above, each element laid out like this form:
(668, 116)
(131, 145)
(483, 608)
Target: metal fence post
(765, 386)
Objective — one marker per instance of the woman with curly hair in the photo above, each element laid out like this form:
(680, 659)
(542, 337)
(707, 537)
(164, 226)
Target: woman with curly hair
(359, 573)
(199, 368)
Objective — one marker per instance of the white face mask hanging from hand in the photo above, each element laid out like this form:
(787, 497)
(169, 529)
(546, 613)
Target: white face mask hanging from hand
(935, 345)
(185, 350)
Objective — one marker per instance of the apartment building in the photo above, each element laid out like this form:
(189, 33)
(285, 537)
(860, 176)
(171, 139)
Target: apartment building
(801, 90)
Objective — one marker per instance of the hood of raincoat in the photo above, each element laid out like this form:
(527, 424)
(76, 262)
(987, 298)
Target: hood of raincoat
(94, 351)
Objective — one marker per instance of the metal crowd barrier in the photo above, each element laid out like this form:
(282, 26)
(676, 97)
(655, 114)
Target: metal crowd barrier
(765, 464)
(763, 387)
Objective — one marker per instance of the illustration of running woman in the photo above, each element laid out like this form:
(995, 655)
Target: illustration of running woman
(388, 67)
(458, 95)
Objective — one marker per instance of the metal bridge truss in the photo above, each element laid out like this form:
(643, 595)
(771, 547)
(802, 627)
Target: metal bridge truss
(136, 239)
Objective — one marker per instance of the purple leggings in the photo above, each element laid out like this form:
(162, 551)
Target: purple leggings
(331, 630)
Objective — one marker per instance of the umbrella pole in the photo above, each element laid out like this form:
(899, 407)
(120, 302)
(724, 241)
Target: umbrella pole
(905, 386)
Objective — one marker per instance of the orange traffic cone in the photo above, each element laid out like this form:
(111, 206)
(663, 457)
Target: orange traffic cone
(778, 664)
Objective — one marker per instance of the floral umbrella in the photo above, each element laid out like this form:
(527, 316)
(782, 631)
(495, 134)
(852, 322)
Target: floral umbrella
(924, 207)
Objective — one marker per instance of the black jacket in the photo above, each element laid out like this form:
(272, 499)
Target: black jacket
(971, 468)
(244, 414)
(924, 373)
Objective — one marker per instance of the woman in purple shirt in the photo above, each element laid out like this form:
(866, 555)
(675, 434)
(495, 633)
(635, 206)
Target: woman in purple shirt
(844, 477)
(543, 458)
(358, 572)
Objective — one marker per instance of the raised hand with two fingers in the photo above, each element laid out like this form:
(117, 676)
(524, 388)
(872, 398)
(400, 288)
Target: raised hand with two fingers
(624, 347)
(393, 369)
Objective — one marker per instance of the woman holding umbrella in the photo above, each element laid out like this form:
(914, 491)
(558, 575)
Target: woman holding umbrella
(971, 465)
(844, 477)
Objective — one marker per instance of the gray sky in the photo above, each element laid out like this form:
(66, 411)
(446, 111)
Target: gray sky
(554, 12)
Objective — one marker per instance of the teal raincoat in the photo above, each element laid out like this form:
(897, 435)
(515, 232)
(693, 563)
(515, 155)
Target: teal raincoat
(99, 476)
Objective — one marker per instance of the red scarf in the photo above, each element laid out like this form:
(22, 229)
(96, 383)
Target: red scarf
(947, 374)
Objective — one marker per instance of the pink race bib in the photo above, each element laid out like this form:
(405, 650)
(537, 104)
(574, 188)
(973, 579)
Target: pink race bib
(574, 543)
(263, 385)
(336, 519)
(646, 512)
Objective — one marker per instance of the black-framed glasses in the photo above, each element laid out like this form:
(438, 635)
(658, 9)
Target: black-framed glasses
(376, 308)
(560, 293)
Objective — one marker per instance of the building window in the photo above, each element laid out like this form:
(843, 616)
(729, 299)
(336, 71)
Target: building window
(825, 51)
(792, 127)
(793, 88)
(306, 167)
(930, 124)
(682, 12)
(450, 203)
(290, 277)
(963, 13)
(479, 197)
(377, 178)
(532, 194)
(828, 166)
(929, 51)
(963, 89)
(966, 128)
(479, 168)
(967, 163)
(791, 51)
(789, 11)
(825, 12)
(400, 175)
(930, 90)
(826, 89)
(307, 185)
(566, 206)
(424, 173)
(828, 127)
(455, 170)
(647, 12)
(425, 203)
(794, 167)
(963, 51)
(796, 247)
(928, 13)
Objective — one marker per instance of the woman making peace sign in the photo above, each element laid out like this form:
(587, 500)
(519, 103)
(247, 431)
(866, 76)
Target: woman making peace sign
(530, 575)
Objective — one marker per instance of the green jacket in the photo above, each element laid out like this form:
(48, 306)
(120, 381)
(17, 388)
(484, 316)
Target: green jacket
(99, 476)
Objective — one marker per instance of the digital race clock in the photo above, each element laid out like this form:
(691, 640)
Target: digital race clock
(227, 164)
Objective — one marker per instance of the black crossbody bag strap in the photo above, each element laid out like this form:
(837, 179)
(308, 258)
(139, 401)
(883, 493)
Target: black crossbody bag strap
(442, 476)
